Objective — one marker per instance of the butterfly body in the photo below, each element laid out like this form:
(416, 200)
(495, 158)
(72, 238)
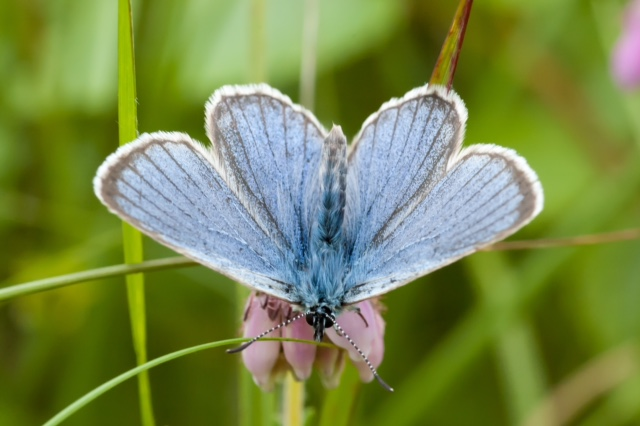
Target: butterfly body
(322, 286)
(282, 206)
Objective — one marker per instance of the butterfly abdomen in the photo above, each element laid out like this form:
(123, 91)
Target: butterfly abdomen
(327, 234)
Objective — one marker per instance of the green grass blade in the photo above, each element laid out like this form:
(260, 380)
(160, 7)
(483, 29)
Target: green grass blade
(132, 239)
(100, 390)
(95, 274)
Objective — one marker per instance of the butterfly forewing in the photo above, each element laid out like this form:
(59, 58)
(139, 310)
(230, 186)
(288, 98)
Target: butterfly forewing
(269, 152)
(474, 198)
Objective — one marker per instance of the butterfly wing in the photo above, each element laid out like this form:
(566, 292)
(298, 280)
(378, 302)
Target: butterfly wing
(268, 150)
(419, 202)
(237, 207)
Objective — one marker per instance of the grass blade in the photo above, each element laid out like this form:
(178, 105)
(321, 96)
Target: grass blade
(100, 390)
(95, 274)
(132, 239)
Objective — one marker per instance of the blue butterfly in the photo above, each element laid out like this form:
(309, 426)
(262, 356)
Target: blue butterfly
(281, 205)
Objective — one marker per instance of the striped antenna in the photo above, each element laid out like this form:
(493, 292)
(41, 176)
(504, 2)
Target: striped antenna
(267, 332)
(341, 331)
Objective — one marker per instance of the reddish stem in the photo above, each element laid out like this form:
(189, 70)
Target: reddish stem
(447, 61)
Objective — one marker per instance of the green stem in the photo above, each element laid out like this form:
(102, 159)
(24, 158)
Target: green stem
(98, 391)
(293, 401)
(93, 394)
(132, 239)
(95, 274)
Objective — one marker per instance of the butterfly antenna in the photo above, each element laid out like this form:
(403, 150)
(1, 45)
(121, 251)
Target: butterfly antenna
(267, 332)
(341, 331)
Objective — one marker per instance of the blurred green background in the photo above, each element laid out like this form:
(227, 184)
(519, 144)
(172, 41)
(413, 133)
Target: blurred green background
(488, 340)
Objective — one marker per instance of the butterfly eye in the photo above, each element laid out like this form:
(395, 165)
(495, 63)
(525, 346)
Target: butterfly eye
(328, 322)
(309, 318)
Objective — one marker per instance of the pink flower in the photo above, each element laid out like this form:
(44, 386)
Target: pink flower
(625, 58)
(269, 360)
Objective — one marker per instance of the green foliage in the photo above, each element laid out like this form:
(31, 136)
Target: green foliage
(488, 340)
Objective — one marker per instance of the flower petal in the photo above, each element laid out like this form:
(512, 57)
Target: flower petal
(330, 363)
(378, 349)
(260, 357)
(300, 356)
(360, 329)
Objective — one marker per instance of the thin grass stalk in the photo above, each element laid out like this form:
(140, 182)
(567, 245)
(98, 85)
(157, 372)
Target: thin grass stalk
(293, 401)
(56, 282)
(132, 239)
(103, 388)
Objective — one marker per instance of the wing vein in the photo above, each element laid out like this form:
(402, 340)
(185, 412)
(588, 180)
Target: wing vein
(137, 206)
(403, 209)
(437, 226)
(472, 212)
(178, 189)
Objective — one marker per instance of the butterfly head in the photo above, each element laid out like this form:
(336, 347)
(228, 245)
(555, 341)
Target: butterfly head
(320, 318)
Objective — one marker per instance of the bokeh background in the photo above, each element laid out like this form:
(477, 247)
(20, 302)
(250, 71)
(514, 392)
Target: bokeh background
(488, 340)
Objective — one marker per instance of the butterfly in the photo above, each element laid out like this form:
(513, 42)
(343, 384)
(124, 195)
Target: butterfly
(285, 207)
